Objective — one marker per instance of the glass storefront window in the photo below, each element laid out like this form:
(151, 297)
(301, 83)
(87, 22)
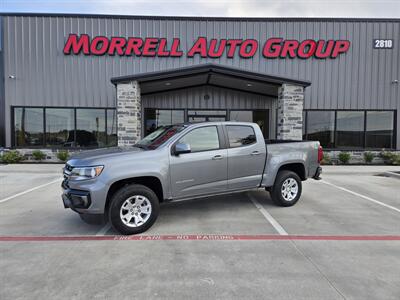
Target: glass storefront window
(60, 127)
(261, 117)
(90, 128)
(207, 112)
(241, 115)
(28, 126)
(155, 118)
(196, 116)
(320, 127)
(112, 139)
(350, 129)
(380, 129)
(97, 127)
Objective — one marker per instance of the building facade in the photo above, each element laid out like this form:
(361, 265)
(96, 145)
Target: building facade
(86, 81)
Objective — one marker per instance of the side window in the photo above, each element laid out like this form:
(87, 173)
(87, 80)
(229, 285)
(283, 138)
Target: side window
(240, 135)
(202, 139)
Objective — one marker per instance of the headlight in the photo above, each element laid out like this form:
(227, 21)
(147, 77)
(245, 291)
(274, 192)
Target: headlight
(82, 173)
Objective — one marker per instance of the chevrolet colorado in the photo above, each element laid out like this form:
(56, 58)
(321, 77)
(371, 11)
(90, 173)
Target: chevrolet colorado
(183, 161)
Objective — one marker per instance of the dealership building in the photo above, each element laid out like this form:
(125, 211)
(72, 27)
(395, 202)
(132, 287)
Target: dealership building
(88, 81)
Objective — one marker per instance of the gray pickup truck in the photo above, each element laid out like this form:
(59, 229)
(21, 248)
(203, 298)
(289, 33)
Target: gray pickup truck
(127, 185)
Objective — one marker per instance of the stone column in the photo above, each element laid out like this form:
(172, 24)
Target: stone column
(129, 118)
(290, 112)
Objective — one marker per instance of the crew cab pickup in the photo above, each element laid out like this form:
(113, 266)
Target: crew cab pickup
(184, 161)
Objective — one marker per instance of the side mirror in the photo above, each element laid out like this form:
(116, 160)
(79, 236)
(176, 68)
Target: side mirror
(181, 148)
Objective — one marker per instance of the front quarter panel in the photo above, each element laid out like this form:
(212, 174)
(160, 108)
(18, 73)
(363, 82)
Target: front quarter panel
(145, 163)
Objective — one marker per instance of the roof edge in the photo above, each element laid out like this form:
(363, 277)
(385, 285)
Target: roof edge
(208, 68)
(201, 18)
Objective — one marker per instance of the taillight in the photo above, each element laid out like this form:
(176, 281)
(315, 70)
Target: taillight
(320, 153)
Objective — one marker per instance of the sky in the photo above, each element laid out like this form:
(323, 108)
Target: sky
(222, 8)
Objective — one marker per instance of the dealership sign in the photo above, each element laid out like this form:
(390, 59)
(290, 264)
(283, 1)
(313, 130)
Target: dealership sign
(203, 47)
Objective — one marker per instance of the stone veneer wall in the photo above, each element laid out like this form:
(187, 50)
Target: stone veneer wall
(290, 112)
(129, 118)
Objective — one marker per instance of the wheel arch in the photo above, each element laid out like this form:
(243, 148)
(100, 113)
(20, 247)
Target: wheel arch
(152, 182)
(296, 167)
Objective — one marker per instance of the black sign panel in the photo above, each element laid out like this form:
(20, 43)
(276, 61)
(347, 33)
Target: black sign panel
(383, 44)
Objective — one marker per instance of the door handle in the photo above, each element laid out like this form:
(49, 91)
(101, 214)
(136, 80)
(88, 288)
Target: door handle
(255, 153)
(217, 157)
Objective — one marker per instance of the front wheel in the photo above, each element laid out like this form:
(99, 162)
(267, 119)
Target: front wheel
(287, 188)
(134, 209)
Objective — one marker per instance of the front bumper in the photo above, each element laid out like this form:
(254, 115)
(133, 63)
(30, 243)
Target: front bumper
(86, 196)
(76, 199)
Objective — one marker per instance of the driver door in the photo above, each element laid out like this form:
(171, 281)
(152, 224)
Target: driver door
(205, 169)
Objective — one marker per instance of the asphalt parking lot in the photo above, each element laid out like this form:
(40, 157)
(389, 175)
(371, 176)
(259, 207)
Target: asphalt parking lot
(340, 241)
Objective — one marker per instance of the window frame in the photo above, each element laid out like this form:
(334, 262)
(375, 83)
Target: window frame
(43, 146)
(394, 112)
(221, 140)
(364, 113)
(45, 125)
(238, 125)
(12, 119)
(363, 148)
(306, 127)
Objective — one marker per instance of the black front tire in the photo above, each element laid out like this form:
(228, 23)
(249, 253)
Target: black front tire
(118, 200)
(276, 193)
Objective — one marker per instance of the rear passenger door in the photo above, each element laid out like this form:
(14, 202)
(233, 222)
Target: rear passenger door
(246, 157)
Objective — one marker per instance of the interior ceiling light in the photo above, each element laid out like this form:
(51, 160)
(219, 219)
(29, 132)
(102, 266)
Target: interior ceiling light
(249, 84)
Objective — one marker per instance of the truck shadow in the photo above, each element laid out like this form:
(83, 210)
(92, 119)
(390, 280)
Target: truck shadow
(233, 213)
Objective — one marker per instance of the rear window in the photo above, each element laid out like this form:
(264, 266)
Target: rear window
(240, 136)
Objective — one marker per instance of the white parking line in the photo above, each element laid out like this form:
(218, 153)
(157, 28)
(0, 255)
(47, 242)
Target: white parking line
(28, 191)
(361, 196)
(104, 230)
(269, 218)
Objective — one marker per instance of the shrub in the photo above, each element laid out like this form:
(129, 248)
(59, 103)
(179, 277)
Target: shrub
(390, 158)
(326, 160)
(12, 157)
(368, 157)
(396, 160)
(63, 155)
(387, 156)
(344, 157)
(38, 155)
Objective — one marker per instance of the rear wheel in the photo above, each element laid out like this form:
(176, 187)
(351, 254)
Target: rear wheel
(287, 188)
(134, 209)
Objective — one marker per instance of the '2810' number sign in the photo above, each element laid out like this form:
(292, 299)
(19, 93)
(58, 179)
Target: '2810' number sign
(383, 44)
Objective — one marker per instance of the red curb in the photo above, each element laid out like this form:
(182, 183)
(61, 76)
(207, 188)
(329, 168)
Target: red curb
(202, 237)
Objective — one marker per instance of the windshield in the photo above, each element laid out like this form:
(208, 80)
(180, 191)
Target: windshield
(159, 136)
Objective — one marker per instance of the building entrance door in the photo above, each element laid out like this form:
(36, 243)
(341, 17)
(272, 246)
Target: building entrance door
(195, 116)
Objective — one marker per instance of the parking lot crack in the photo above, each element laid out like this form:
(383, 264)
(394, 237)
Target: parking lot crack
(318, 269)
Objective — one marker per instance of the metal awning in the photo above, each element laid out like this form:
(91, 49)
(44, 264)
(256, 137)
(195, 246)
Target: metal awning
(209, 74)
